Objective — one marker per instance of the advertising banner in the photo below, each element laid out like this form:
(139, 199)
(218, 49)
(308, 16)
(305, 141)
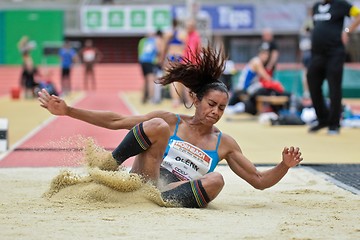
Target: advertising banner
(223, 17)
(126, 19)
(287, 17)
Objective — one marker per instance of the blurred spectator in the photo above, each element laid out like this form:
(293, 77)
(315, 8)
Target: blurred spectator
(174, 43)
(193, 40)
(218, 43)
(150, 50)
(29, 75)
(89, 55)
(45, 81)
(253, 81)
(329, 38)
(305, 50)
(228, 74)
(268, 42)
(159, 63)
(25, 45)
(191, 48)
(230, 70)
(68, 56)
(174, 52)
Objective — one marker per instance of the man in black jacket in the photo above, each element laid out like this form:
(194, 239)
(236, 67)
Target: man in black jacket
(328, 56)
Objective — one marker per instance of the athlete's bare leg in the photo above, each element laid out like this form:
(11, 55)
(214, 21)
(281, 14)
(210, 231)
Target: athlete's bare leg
(148, 163)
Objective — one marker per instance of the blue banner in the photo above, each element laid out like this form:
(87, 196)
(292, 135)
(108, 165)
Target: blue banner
(223, 17)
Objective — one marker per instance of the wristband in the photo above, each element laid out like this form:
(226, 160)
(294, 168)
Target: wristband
(347, 30)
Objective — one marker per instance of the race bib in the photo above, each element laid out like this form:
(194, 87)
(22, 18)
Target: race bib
(186, 161)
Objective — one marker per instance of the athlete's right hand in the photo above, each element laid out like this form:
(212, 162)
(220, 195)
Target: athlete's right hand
(52, 103)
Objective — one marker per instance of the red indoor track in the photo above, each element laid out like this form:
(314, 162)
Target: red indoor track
(58, 142)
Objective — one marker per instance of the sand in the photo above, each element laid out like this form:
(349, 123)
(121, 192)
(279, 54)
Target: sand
(83, 203)
(88, 203)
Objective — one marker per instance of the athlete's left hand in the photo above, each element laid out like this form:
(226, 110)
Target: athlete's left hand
(291, 156)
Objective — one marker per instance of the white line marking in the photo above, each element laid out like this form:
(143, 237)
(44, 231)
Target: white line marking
(131, 107)
(34, 131)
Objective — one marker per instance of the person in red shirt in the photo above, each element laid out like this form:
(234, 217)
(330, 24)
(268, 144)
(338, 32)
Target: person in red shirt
(193, 40)
(192, 47)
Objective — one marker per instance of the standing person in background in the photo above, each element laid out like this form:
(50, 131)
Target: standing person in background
(150, 50)
(268, 42)
(305, 50)
(174, 44)
(191, 48)
(30, 72)
(327, 61)
(193, 41)
(174, 52)
(159, 63)
(230, 69)
(68, 56)
(25, 46)
(90, 55)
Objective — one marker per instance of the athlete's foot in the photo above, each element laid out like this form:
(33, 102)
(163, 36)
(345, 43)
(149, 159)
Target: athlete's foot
(98, 157)
(108, 163)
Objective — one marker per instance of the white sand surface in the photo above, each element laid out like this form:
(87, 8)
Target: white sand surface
(302, 206)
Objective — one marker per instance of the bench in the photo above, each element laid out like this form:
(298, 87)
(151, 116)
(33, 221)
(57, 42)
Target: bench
(270, 100)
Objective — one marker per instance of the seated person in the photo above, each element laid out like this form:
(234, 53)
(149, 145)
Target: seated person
(249, 86)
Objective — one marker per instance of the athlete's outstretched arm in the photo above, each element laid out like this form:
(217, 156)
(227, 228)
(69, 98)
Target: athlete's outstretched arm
(106, 119)
(240, 165)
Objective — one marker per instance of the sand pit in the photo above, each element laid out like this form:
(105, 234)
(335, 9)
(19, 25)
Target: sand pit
(301, 206)
(86, 206)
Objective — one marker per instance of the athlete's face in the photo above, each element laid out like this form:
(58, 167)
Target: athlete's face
(211, 107)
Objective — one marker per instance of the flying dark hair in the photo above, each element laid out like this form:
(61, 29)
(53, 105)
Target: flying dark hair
(200, 74)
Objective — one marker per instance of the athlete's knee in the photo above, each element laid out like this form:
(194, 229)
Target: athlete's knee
(156, 124)
(216, 179)
(157, 127)
(213, 184)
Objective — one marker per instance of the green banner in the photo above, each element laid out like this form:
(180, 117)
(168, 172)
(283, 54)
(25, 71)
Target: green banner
(116, 19)
(127, 19)
(94, 19)
(161, 18)
(138, 18)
